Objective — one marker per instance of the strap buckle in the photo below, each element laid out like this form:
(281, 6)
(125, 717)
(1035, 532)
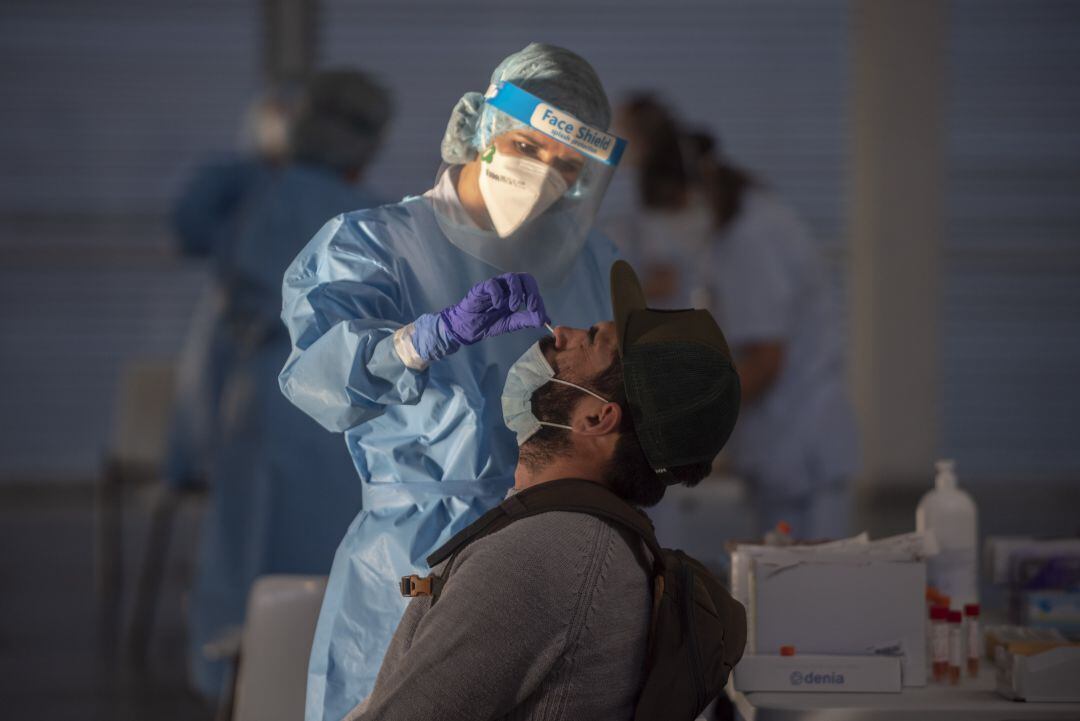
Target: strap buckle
(412, 586)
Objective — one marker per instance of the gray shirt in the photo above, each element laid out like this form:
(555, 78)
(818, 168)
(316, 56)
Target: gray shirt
(546, 619)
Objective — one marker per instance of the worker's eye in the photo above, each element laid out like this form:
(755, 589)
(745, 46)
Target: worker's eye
(567, 167)
(527, 148)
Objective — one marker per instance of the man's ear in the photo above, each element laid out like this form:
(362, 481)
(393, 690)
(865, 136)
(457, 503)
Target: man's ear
(602, 420)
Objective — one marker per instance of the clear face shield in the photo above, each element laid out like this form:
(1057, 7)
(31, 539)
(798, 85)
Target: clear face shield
(543, 174)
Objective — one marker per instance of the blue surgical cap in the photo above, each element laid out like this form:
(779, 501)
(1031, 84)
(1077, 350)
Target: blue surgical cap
(341, 120)
(555, 75)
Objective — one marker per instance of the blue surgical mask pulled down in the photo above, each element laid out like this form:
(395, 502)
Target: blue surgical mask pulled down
(528, 374)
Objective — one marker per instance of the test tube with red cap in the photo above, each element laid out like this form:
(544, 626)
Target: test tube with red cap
(974, 645)
(939, 642)
(956, 646)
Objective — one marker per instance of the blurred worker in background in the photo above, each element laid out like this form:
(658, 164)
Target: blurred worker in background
(401, 321)
(205, 220)
(282, 490)
(707, 233)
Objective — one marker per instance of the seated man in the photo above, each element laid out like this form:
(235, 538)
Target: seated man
(549, 616)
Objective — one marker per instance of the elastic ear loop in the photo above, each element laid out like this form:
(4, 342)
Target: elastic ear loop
(583, 390)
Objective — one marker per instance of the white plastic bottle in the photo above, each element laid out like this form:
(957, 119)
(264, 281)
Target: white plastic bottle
(951, 514)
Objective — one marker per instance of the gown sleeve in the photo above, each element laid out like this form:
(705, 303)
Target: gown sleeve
(202, 213)
(342, 303)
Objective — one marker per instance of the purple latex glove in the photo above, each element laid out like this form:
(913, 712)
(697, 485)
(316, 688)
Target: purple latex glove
(498, 305)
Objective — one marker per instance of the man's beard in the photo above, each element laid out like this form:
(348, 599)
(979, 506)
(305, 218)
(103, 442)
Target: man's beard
(551, 402)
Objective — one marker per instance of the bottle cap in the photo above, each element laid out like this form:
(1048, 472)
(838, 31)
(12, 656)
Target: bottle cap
(955, 617)
(971, 609)
(946, 474)
(787, 650)
(938, 613)
(784, 527)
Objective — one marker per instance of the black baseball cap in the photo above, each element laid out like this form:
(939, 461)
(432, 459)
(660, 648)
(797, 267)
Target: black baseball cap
(680, 380)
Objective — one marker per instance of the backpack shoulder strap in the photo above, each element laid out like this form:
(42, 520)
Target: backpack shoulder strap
(567, 494)
(492, 521)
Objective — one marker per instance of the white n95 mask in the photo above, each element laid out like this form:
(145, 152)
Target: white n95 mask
(516, 190)
(528, 374)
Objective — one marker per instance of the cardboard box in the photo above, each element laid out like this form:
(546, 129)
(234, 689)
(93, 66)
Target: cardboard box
(1049, 676)
(840, 604)
(830, 674)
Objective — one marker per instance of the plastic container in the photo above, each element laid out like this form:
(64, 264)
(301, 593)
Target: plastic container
(956, 646)
(939, 643)
(951, 514)
(971, 632)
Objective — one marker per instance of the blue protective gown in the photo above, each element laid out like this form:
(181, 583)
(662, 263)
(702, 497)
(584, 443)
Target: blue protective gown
(206, 220)
(430, 447)
(208, 209)
(282, 489)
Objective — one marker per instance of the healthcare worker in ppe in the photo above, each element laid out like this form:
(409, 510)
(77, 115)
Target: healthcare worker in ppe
(205, 218)
(282, 490)
(707, 233)
(401, 321)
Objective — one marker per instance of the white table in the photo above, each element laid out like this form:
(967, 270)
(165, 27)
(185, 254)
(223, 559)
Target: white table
(973, 700)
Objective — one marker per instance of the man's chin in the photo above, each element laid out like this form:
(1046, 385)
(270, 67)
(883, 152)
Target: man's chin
(530, 452)
(536, 453)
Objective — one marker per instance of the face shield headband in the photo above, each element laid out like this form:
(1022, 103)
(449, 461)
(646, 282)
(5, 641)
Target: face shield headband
(559, 125)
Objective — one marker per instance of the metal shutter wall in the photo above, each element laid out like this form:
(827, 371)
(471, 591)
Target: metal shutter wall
(108, 105)
(68, 329)
(1011, 331)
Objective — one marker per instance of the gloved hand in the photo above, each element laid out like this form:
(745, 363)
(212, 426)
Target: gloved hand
(492, 307)
(495, 306)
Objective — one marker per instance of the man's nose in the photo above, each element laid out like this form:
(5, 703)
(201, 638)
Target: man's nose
(566, 337)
